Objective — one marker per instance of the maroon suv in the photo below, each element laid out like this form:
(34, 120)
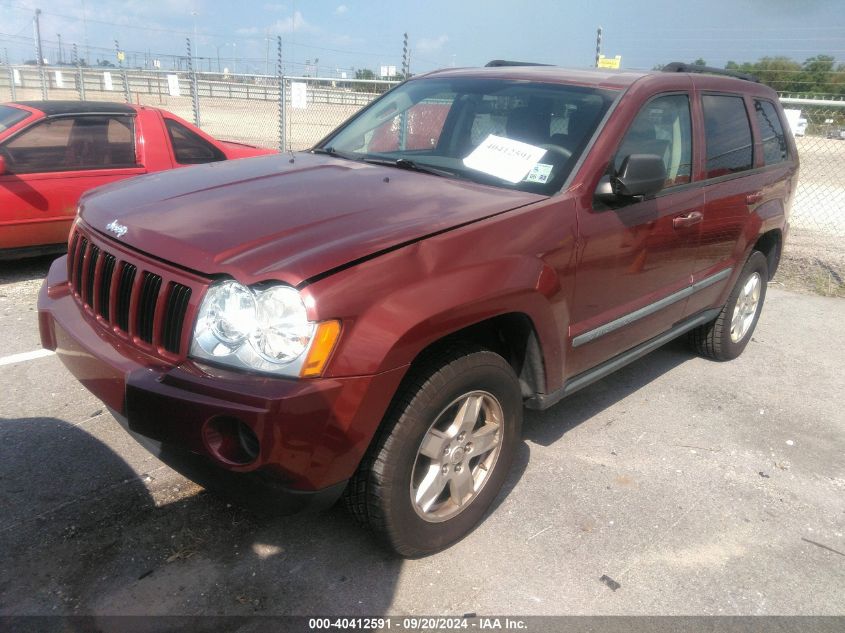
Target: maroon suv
(368, 319)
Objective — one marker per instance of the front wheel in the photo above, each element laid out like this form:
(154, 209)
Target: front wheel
(442, 454)
(726, 336)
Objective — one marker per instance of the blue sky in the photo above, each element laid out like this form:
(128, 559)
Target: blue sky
(350, 33)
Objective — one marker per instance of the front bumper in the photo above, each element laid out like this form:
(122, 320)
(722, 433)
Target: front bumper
(312, 433)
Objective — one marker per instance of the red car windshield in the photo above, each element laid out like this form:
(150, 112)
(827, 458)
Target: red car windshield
(10, 116)
(512, 134)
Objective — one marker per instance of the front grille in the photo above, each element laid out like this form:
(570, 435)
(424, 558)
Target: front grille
(135, 301)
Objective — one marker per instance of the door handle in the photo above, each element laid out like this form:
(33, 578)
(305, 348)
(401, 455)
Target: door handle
(753, 198)
(688, 219)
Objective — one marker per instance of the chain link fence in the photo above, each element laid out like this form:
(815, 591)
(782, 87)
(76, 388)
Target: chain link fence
(244, 108)
(252, 109)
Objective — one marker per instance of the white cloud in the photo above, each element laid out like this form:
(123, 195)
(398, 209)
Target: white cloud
(341, 9)
(294, 23)
(430, 45)
(252, 30)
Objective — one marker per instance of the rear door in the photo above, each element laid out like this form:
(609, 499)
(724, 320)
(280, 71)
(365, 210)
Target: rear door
(732, 186)
(636, 258)
(50, 164)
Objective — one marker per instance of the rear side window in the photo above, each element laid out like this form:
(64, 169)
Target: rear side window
(10, 116)
(72, 143)
(189, 147)
(727, 131)
(662, 127)
(771, 133)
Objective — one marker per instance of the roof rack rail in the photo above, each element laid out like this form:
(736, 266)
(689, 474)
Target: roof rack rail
(496, 63)
(681, 67)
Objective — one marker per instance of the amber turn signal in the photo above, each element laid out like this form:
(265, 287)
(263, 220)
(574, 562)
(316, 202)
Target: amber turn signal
(321, 349)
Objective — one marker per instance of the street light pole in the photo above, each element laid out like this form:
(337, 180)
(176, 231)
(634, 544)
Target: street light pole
(39, 51)
(195, 42)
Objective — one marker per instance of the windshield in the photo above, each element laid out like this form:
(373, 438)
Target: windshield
(513, 134)
(9, 116)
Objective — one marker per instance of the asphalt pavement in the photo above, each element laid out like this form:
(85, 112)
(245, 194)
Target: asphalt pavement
(677, 486)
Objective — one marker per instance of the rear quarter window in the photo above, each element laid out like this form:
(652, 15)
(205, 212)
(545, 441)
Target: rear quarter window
(727, 130)
(190, 148)
(10, 116)
(771, 133)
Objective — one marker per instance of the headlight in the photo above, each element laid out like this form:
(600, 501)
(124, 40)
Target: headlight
(263, 328)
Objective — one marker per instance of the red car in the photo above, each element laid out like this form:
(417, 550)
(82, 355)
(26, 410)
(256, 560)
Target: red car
(51, 152)
(370, 322)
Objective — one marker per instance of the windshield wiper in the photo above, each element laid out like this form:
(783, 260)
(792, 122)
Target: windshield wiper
(404, 163)
(331, 151)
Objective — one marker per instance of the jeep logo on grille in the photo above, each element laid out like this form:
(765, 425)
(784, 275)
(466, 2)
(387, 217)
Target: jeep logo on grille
(117, 228)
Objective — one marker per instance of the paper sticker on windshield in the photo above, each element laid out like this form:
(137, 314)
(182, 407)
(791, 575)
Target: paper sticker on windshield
(539, 173)
(504, 158)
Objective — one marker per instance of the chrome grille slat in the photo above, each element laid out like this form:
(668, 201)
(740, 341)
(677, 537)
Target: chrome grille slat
(177, 306)
(79, 256)
(147, 305)
(124, 295)
(105, 284)
(88, 296)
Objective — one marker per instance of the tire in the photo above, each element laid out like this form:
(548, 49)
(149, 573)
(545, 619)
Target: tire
(394, 491)
(723, 338)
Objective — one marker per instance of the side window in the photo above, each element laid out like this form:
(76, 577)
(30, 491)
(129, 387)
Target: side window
(663, 127)
(771, 131)
(728, 135)
(190, 148)
(39, 148)
(73, 143)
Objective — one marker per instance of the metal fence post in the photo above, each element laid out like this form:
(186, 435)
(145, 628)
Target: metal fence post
(281, 78)
(195, 97)
(126, 95)
(12, 87)
(80, 78)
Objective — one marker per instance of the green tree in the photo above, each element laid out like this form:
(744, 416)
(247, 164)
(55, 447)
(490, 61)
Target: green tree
(364, 73)
(818, 74)
(781, 73)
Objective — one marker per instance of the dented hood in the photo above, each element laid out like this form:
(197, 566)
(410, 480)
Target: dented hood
(284, 217)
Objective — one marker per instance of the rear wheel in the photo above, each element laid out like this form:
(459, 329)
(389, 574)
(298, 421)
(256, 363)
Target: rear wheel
(442, 454)
(726, 336)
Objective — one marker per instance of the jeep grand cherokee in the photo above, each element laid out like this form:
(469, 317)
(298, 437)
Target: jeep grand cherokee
(368, 319)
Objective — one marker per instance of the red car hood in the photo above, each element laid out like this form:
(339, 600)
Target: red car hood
(279, 217)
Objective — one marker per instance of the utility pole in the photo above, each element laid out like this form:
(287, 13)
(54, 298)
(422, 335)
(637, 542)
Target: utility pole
(39, 52)
(60, 55)
(598, 46)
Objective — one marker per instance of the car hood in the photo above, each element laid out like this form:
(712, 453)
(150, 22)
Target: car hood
(286, 217)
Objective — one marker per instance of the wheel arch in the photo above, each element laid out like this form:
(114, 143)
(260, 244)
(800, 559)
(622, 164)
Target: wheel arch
(770, 244)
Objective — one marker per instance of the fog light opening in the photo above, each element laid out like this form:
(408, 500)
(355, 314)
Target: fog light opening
(231, 440)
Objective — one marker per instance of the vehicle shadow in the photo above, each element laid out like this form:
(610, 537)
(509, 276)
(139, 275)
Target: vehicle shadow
(26, 269)
(84, 535)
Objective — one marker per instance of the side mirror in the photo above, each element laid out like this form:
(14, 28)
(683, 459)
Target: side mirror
(2, 165)
(639, 176)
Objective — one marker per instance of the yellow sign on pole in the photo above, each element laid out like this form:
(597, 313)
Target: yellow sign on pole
(121, 56)
(610, 62)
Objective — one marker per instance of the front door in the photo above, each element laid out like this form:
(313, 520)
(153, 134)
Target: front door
(636, 258)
